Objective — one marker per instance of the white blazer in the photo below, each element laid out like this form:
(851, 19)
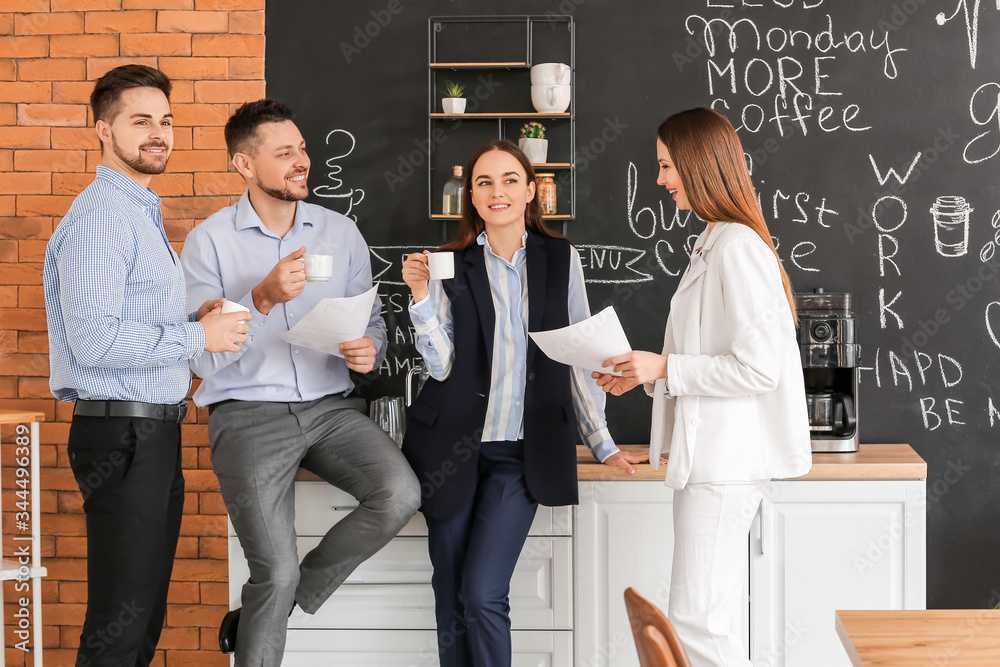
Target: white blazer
(733, 406)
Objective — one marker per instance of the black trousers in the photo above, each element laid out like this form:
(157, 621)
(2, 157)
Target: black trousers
(129, 472)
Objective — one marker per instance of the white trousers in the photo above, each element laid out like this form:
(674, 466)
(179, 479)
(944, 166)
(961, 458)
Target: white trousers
(707, 593)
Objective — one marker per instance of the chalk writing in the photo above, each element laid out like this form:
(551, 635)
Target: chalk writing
(347, 199)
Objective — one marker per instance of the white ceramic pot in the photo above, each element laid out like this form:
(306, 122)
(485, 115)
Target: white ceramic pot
(453, 104)
(553, 74)
(550, 99)
(537, 150)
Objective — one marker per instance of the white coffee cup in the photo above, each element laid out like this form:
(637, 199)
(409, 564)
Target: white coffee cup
(551, 74)
(233, 307)
(441, 265)
(550, 98)
(319, 268)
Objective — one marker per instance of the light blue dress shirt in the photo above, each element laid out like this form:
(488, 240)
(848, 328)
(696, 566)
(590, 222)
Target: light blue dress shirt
(117, 312)
(232, 252)
(433, 325)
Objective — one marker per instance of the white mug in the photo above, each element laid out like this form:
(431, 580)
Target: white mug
(551, 74)
(319, 268)
(233, 307)
(441, 265)
(550, 98)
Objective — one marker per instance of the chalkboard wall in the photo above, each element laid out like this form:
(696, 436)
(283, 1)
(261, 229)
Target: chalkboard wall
(857, 116)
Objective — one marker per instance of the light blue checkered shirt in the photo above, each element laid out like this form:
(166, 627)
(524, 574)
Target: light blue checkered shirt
(115, 299)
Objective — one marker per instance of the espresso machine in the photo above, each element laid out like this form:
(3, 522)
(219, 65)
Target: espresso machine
(830, 359)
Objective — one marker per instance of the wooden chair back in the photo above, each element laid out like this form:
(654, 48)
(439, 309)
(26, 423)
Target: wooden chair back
(642, 614)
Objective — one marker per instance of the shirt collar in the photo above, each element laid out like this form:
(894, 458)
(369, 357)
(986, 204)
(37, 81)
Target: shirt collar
(247, 217)
(142, 196)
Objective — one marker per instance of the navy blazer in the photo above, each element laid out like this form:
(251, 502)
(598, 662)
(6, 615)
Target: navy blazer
(445, 422)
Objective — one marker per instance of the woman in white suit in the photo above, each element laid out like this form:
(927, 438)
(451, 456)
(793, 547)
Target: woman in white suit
(728, 393)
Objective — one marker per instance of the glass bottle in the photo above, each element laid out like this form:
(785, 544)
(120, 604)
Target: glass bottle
(546, 185)
(453, 192)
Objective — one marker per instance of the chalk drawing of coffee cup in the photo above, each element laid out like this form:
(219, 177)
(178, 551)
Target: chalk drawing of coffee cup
(951, 225)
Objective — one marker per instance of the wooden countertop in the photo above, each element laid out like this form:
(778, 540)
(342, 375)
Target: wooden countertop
(869, 462)
(20, 416)
(912, 638)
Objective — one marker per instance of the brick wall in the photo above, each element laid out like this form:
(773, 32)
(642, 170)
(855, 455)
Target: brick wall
(50, 53)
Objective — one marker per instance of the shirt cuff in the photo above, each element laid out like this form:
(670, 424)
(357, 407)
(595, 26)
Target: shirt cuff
(194, 339)
(674, 384)
(601, 444)
(422, 316)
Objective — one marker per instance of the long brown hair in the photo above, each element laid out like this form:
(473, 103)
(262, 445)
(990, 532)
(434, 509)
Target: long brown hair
(709, 158)
(472, 224)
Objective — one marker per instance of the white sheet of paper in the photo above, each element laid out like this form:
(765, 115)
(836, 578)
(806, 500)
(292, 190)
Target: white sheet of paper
(585, 344)
(332, 322)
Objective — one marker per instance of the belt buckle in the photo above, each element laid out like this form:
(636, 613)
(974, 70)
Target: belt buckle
(176, 413)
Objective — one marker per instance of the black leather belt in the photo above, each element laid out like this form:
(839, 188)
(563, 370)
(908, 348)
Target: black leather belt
(157, 411)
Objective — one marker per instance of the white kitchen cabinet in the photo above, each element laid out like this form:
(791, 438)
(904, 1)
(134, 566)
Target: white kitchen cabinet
(824, 545)
(815, 547)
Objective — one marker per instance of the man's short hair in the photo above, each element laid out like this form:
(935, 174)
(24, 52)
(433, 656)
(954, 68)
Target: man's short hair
(241, 129)
(106, 98)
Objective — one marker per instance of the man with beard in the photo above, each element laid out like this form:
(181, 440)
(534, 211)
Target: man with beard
(274, 406)
(120, 339)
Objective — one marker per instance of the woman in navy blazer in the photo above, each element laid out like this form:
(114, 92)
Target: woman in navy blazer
(492, 434)
(728, 391)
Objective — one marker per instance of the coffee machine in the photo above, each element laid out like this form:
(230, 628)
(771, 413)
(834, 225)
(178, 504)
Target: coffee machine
(830, 359)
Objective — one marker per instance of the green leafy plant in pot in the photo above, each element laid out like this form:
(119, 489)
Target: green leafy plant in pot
(453, 102)
(533, 142)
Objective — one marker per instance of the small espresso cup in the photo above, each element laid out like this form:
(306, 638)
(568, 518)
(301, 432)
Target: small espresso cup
(441, 265)
(319, 268)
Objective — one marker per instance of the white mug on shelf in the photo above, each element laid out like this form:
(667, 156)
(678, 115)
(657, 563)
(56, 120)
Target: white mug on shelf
(550, 98)
(550, 74)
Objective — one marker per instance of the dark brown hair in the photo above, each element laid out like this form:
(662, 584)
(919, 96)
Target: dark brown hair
(105, 101)
(241, 128)
(708, 157)
(472, 224)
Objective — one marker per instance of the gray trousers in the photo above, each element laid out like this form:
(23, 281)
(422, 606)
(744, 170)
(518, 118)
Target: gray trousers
(257, 448)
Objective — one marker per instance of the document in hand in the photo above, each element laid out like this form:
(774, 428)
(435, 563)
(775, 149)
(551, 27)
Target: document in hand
(332, 322)
(585, 344)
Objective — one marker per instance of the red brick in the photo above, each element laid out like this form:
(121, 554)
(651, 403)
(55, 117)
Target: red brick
(25, 228)
(228, 91)
(158, 4)
(38, 205)
(71, 547)
(192, 22)
(178, 638)
(83, 46)
(182, 138)
(195, 68)
(155, 44)
(8, 254)
(84, 5)
(33, 388)
(52, 69)
(177, 230)
(6, 160)
(48, 160)
(246, 68)
(172, 185)
(7, 207)
(26, 6)
(26, 184)
(199, 480)
(65, 614)
(31, 251)
(182, 92)
(23, 92)
(98, 67)
(48, 24)
(55, 434)
(228, 183)
(121, 22)
(19, 274)
(227, 45)
(8, 69)
(187, 547)
(71, 92)
(24, 137)
(209, 137)
(26, 364)
(214, 547)
(24, 47)
(198, 615)
(200, 115)
(198, 525)
(8, 299)
(6, 23)
(75, 138)
(208, 658)
(93, 159)
(73, 591)
(32, 341)
(230, 5)
(8, 116)
(214, 593)
(200, 569)
(184, 592)
(70, 184)
(59, 115)
(246, 23)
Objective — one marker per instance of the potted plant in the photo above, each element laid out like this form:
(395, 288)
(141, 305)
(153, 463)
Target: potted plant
(533, 142)
(453, 102)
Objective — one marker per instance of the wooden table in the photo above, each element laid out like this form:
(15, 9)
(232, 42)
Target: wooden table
(926, 638)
